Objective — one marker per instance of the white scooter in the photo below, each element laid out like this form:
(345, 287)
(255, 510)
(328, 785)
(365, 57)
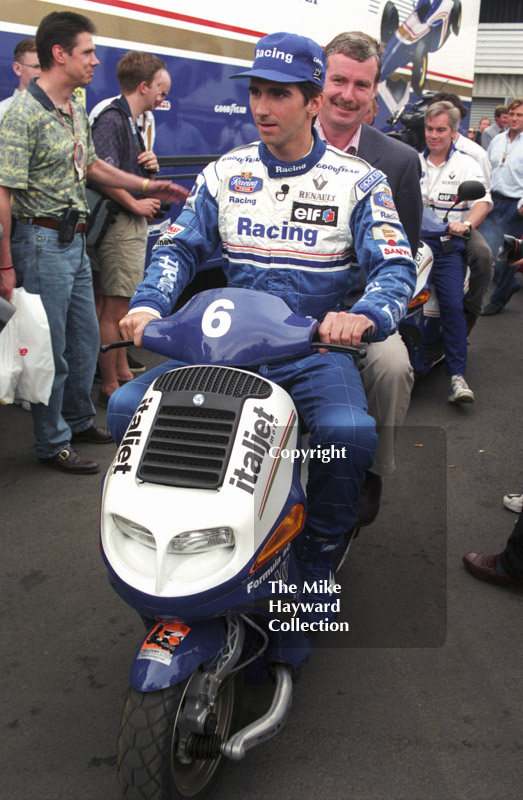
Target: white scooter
(200, 523)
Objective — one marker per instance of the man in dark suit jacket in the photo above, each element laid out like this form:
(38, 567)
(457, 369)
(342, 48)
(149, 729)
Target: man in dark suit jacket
(401, 165)
(353, 71)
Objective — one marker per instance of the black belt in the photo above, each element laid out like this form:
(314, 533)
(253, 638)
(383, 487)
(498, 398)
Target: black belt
(503, 196)
(49, 222)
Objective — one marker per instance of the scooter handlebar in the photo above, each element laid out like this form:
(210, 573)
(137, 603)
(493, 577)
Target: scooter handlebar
(113, 345)
(366, 338)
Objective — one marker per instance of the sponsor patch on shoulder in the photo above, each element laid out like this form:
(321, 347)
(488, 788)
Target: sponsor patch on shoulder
(387, 232)
(368, 182)
(381, 215)
(175, 229)
(383, 200)
(388, 251)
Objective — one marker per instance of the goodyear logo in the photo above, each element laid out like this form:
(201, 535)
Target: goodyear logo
(245, 185)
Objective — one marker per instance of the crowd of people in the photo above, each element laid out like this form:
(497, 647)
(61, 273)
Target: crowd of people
(313, 109)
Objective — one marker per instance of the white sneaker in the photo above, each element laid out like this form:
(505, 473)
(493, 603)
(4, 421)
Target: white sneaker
(514, 502)
(459, 390)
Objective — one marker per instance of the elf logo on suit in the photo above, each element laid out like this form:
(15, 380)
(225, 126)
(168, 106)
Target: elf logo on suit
(317, 215)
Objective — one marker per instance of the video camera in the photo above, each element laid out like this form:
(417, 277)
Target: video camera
(164, 209)
(413, 122)
(511, 249)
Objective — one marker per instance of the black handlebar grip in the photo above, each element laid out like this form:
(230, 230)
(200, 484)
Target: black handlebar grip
(113, 345)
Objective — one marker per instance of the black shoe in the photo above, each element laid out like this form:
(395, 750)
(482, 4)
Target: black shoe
(134, 365)
(490, 311)
(369, 502)
(68, 460)
(93, 435)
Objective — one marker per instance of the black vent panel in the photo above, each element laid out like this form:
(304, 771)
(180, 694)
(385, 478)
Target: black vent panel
(216, 380)
(192, 436)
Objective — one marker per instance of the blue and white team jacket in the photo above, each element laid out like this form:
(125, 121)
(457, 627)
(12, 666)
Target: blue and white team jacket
(439, 185)
(287, 229)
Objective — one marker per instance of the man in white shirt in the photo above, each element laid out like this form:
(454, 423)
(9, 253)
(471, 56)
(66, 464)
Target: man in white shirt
(444, 167)
(506, 156)
(478, 254)
(25, 66)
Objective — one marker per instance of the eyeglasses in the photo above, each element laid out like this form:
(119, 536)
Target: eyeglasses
(31, 66)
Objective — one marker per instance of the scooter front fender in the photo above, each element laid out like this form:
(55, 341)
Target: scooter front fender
(172, 650)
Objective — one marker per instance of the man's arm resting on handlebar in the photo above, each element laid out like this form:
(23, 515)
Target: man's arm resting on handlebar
(342, 327)
(133, 324)
(476, 215)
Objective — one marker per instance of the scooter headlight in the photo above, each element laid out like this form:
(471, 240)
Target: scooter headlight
(134, 531)
(201, 541)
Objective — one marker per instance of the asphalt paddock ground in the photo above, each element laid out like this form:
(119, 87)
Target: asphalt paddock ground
(424, 703)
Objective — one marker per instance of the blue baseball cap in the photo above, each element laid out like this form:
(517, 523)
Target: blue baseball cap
(287, 58)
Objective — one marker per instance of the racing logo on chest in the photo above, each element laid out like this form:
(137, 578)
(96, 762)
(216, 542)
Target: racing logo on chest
(245, 183)
(315, 215)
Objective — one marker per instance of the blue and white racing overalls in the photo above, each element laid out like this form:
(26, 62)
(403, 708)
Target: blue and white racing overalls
(287, 229)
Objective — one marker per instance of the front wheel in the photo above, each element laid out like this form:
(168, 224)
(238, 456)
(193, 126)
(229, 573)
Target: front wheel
(148, 764)
(455, 17)
(389, 22)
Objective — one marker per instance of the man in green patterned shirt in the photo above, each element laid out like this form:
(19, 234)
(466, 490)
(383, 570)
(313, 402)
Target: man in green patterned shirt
(46, 156)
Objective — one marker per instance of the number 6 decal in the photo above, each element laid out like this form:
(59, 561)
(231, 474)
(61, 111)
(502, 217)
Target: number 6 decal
(215, 321)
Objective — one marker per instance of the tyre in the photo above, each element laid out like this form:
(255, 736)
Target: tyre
(455, 17)
(389, 22)
(419, 69)
(148, 767)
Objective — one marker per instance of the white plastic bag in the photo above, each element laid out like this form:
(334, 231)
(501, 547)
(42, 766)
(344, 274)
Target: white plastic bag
(10, 363)
(26, 356)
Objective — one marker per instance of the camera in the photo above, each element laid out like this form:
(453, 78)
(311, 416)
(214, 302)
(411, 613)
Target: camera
(511, 249)
(68, 224)
(413, 122)
(165, 207)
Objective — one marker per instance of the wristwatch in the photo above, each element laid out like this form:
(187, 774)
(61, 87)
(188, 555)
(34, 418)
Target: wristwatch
(468, 224)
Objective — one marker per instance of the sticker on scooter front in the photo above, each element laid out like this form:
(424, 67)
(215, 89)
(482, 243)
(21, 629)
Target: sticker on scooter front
(162, 642)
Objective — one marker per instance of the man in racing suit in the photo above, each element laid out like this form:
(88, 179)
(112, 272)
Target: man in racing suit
(444, 167)
(257, 200)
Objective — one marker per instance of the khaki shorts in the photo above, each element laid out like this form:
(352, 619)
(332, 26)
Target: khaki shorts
(120, 259)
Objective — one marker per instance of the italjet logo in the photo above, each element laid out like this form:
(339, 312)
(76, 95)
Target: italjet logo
(316, 215)
(257, 444)
(131, 439)
(245, 184)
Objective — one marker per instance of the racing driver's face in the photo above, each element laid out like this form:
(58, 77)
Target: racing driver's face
(350, 86)
(283, 117)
